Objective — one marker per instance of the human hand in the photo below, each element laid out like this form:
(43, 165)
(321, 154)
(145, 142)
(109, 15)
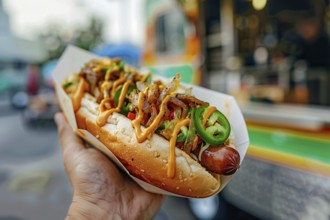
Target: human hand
(100, 190)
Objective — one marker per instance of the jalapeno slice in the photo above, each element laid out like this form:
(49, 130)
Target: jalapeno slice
(125, 108)
(216, 131)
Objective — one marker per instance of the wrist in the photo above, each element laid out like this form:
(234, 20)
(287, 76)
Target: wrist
(83, 208)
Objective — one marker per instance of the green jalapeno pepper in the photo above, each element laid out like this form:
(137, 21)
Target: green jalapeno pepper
(216, 130)
(126, 105)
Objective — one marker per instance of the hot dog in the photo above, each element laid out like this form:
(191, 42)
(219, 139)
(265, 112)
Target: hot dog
(160, 132)
(223, 160)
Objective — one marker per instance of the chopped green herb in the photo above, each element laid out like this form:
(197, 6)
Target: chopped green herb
(67, 85)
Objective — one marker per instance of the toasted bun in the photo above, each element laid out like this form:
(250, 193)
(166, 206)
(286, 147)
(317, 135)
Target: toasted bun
(147, 160)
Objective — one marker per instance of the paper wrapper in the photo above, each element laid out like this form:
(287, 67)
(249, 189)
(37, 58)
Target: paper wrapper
(73, 59)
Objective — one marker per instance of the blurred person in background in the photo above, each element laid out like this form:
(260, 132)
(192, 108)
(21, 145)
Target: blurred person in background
(314, 42)
(100, 190)
(309, 46)
(310, 42)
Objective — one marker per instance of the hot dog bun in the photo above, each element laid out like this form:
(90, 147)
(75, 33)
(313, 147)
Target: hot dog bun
(147, 160)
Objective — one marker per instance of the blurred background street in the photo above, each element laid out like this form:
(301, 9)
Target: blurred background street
(273, 56)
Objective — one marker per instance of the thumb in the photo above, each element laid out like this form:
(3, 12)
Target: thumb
(70, 142)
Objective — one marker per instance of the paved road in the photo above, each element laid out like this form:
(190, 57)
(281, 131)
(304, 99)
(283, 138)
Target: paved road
(33, 184)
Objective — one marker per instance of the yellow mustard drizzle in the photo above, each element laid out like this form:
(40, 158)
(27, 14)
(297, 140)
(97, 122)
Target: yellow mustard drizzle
(102, 63)
(145, 77)
(142, 136)
(105, 87)
(108, 73)
(137, 121)
(146, 90)
(79, 93)
(102, 106)
(123, 93)
(171, 158)
(103, 116)
(97, 68)
(118, 82)
(207, 113)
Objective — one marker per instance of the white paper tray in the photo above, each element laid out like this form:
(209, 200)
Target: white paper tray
(73, 59)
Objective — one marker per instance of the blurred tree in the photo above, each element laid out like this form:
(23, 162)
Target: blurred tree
(86, 38)
(90, 37)
(53, 42)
